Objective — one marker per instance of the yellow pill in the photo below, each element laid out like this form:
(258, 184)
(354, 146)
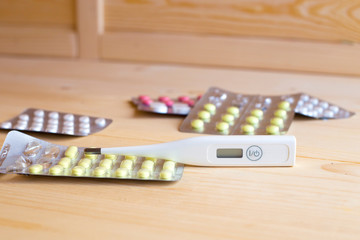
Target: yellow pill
(65, 162)
(272, 130)
(277, 122)
(257, 113)
(233, 110)
(197, 124)
(151, 159)
(78, 171)
(130, 157)
(205, 115)
(252, 120)
(91, 156)
(36, 169)
(166, 174)
(106, 163)
(169, 165)
(280, 113)
(143, 173)
(111, 156)
(99, 172)
(211, 108)
(222, 126)
(56, 170)
(284, 105)
(128, 164)
(248, 129)
(122, 173)
(228, 118)
(147, 164)
(71, 152)
(85, 162)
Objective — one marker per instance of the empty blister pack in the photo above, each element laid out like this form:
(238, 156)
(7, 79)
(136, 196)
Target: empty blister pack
(23, 154)
(227, 113)
(165, 105)
(39, 120)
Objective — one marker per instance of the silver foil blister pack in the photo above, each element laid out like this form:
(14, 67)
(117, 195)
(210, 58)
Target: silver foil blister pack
(226, 113)
(39, 120)
(23, 154)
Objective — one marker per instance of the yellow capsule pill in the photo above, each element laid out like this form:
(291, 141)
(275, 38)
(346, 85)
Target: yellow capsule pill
(222, 126)
(166, 174)
(233, 110)
(252, 120)
(151, 159)
(99, 172)
(128, 164)
(257, 113)
(280, 113)
(36, 169)
(122, 172)
(211, 108)
(143, 173)
(147, 164)
(56, 170)
(284, 105)
(111, 156)
(106, 163)
(272, 130)
(91, 156)
(277, 122)
(229, 118)
(78, 171)
(197, 124)
(65, 162)
(71, 152)
(131, 157)
(169, 165)
(85, 162)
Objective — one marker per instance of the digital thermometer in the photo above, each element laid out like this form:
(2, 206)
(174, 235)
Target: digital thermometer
(218, 150)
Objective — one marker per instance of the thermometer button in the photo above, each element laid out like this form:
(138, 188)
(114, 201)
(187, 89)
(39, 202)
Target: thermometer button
(254, 153)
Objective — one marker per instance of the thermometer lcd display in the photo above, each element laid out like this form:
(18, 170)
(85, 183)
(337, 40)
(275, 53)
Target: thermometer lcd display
(229, 153)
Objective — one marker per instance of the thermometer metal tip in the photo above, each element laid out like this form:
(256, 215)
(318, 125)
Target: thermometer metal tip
(92, 150)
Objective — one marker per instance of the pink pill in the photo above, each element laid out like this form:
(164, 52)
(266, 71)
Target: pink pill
(183, 99)
(147, 102)
(169, 103)
(190, 102)
(143, 97)
(164, 99)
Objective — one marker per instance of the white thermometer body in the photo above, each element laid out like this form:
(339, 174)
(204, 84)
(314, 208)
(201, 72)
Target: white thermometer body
(219, 150)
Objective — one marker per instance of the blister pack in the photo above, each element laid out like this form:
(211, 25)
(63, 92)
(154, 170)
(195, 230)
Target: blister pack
(226, 113)
(23, 154)
(39, 120)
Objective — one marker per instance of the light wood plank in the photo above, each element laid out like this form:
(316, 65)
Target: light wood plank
(89, 27)
(43, 13)
(316, 199)
(56, 42)
(232, 52)
(329, 20)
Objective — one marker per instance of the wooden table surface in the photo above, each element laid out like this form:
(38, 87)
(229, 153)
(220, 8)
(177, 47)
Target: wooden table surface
(319, 198)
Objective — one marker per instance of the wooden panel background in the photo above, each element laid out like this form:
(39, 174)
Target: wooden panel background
(38, 27)
(327, 20)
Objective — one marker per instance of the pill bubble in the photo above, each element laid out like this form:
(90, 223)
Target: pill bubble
(211, 108)
(128, 164)
(38, 119)
(147, 164)
(324, 104)
(24, 117)
(229, 118)
(99, 172)
(165, 174)
(277, 122)
(314, 101)
(106, 163)
(280, 113)
(222, 126)
(233, 110)
(328, 114)
(159, 107)
(39, 113)
(248, 128)
(78, 171)
(36, 169)
(335, 109)
(252, 120)
(54, 115)
(143, 173)
(122, 173)
(272, 130)
(69, 117)
(285, 105)
(84, 119)
(65, 162)
(169, 165)
(205, 115)
(51, 151)
(71, 152)
(32, 148)
(257, 113)
(56, 170)
(197, 124)
(6, 125)
(85, 162)
(101, 122)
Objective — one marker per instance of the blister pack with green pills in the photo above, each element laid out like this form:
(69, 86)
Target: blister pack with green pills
(223, 112)
(23, 154)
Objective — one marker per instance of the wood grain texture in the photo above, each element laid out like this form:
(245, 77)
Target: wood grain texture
(43, 13)
(316, 199)
(328, 20)
(89, 27)
(232, 52)
(56, 42)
